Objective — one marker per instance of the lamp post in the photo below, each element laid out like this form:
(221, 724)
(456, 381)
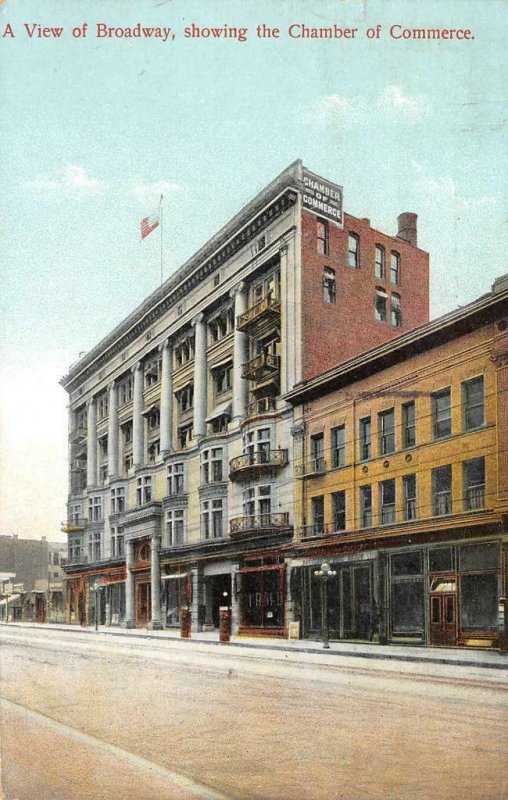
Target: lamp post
(96, 586)
(325, 573)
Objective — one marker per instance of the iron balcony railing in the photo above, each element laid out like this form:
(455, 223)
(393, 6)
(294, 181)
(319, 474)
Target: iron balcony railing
(268, 306)
(74, 525)
(260, 365)
(81, 559)
(262, 406)
(258, 522)
(77, 434)
(260, 461)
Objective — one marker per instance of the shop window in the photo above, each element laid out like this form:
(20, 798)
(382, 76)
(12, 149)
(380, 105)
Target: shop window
(386, 427)
(473, 477)
(473, 404)
(212, 519)
(318, 515)
(409, 490)
(339, 511)
(365, 506)
(175, 479)
(379, 262)
(479, 557)
(353, 251)
(395, 310)
(407, 607)
(441, 413)
(365, 438)
(380, 299)
(387, 501)
(317, 452)
(338, 446)
(442, 490)
(408, 425)
(404, 564)
(144, 490)
(395, 269)
(329, 285)
(262, 598)
(211, 465)
(479, 602)
(175, 527)
(441, 559)
(322, 232)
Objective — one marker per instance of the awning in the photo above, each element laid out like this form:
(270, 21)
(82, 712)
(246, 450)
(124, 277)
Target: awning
(222, 410)
(174, 576)
(225, 362)
(9, 600)
(150, 410)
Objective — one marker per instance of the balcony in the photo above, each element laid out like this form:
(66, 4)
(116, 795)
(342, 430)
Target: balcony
(252, 465)
(266, 308)
(262, 367)
(320, 529)
(263, 405)
(75, 525)
(259, 524)
(77, 435)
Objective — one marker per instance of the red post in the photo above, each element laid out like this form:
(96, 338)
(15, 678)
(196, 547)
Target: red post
(185, 625)
(225, 624)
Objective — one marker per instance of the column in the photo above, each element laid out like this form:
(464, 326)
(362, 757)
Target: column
(129, 621)
(91, 444)
(155, 576)
(208, 598)
(138, 422)
(200, 398)
(113, 431)
(195, 600)
(235, 600)
(166, 410)
(240, 345)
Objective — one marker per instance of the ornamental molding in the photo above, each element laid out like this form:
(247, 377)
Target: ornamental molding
(500, 358)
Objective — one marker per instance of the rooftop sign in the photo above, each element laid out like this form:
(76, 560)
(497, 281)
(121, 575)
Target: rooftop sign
(322, 197)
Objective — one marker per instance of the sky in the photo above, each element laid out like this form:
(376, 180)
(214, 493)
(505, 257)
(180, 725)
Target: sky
(93, 130)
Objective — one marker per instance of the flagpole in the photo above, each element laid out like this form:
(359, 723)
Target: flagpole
(160, 216)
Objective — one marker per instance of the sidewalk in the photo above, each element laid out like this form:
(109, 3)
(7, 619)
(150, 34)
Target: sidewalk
(417, 653)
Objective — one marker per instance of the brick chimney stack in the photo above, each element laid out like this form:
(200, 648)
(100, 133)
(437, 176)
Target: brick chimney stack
(407, 227)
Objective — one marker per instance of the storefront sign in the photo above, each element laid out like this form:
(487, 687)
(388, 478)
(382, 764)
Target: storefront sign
(322, 197)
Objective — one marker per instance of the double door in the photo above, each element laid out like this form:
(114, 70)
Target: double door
(143, 604)
(443, 611)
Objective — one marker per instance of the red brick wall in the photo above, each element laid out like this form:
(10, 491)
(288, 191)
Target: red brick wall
(335, 333)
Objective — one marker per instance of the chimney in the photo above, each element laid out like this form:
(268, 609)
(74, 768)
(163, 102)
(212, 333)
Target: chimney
(407, 227)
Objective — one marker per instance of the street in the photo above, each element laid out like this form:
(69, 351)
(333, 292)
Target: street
(89, 716)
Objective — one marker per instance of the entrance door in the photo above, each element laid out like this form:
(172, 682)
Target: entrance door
(221, 595)
(443, 612)
(143, 604)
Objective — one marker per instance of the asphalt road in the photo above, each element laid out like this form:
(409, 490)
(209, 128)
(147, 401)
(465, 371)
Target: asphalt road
(93, 717)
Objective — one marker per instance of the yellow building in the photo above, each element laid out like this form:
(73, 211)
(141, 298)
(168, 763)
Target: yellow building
(402, 485)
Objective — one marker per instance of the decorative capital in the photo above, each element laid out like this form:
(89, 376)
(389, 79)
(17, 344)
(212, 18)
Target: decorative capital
(298, 430)
(90, 403)
(111, 386)
(283, 249)
(199, 318)
(136, 367)
(240, 287)
(500, 358)
(164, 345)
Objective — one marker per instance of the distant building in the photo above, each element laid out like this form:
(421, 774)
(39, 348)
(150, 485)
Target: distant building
(401, 465)
(180, 439)
(27, 561)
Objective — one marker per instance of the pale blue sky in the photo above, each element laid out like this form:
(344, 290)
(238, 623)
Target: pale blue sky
(91, 130)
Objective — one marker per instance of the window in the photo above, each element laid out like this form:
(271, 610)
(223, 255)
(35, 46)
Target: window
(395, 268)
(322, 237)
(365, 438)
(338, 446)
(442, 490)
(153, 418)
(317, 449)
(184, 436)
(339, 511)
(212, 519)
(94, 509)
(409, 490)
(379, 262)
(127, 433)
(185, 398)
(211, 465)
(128, 462)
(144, 490)
(256, 444)
(118, 500)
(386, 422)
(318, 516)
(175, 479)
(125, 391)
(442, 414)
(56, 559)
(103, 448)
(153, 451)
(329, 285)
(221, 326)
(183, 351)
(102, 406)
(353, 251)
(473, 476)
(223, 378)
(94, 546)
(117, 542)
(395, 310)
(408, 425)
(473, 404)
(387, 501)
(257, 502)
(365, 506)
(174, 527)
(74, 514)
(380, 299)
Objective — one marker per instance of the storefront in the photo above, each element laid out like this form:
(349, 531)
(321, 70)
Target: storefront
(262, 596)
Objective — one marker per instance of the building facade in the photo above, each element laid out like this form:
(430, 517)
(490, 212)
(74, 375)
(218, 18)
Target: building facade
(180, 441)
(402, 486)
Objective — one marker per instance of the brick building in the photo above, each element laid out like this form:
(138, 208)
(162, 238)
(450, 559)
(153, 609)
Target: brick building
(180, 439)
(402, 485)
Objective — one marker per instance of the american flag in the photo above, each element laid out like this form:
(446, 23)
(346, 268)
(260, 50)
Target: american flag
(148, 224)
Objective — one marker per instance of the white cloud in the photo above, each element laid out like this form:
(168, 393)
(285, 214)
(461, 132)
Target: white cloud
(393, 99)
(444, 188)
(152, 191)
(69, 181)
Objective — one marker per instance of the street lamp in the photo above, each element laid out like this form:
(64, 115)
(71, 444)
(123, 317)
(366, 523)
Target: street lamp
(96, 586)
(325, 573)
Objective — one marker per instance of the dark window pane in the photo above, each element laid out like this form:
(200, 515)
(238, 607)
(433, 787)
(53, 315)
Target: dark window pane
(407, 607)
(440, 560)
(478, 601)
(479, 556)
(407, 563)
